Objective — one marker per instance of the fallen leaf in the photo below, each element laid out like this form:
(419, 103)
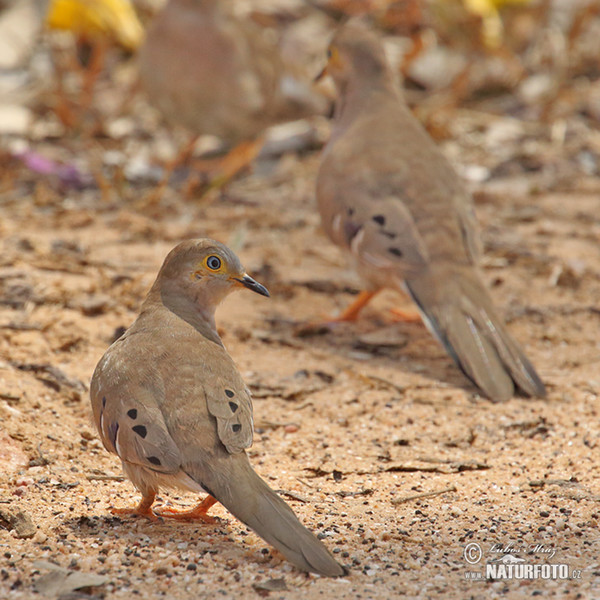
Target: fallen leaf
(385, 336)
(271, 585)
(61, 581)
(20, 522)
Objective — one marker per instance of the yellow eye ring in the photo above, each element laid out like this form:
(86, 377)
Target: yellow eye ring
(213, 263)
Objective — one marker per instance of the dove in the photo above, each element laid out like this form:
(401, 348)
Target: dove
(213, 72)
(168, 400)
(390, 199)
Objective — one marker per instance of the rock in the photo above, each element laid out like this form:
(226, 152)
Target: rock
(19, 522)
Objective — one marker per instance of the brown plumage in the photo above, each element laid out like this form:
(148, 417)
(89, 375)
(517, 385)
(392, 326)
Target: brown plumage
(170, 403)
(214, 73)
(389, 197)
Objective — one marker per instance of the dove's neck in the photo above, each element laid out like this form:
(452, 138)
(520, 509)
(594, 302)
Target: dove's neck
(360, 96)
(195, 311)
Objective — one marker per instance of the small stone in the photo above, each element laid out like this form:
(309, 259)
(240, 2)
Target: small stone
(95, 305)
(40, 537)
(86, 434)
(19, 522)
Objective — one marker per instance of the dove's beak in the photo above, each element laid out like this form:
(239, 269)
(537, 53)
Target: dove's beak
(253, 285)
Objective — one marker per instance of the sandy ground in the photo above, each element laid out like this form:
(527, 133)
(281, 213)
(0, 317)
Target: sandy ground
(353, 424)
(369, 431)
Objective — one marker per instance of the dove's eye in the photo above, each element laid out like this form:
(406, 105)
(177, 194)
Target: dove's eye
(213, 263)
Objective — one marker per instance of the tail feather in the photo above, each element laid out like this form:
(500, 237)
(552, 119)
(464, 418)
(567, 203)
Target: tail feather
(459, 312)
(252, 501)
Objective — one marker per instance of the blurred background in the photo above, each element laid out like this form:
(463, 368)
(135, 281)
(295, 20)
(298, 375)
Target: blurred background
(74, 115)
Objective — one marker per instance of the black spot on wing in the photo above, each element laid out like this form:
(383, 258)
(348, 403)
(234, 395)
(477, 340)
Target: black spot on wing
(233, 406)
(229, 393)
(132, 413)
(236, 427)
(379, 219)
(141, 430)
(350, 211)
(154, 460)
(395, 251)
(103, 401)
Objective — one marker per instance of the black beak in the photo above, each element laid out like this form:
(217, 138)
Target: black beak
(253, 285)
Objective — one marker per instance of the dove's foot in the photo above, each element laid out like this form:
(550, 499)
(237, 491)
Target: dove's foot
(198, 513)
(143, 509)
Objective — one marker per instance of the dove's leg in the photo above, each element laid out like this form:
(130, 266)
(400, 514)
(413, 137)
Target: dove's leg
(91, 72)
(400, 315)
(236, 160)
(143, 509)
(198, 513)
(351, 312)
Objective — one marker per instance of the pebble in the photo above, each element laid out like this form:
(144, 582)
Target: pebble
(40, 537)
(24, 481)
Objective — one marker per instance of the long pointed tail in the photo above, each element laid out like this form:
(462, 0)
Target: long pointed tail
(459, 312)
(253, 502)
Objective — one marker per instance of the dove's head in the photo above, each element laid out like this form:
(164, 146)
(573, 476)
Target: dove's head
(355, 57)
(198, 274)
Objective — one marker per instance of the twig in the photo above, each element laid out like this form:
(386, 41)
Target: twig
(9, 397)
(273, 424)
(293, 495)
(452, 488)
(380, 380)
(105, 477)
(308, 485)
(540, 483)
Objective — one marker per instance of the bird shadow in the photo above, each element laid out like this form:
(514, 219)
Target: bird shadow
(407, 347)
(142, 534)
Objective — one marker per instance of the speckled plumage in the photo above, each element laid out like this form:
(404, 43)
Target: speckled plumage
(169, 401)
(215, 73)
(390, 198)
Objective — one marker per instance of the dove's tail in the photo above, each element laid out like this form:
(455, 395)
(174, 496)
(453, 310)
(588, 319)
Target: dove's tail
(253, 502)
(459, 312)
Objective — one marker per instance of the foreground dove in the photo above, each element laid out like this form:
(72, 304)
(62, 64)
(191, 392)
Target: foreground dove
(169, 402)
(390, 198)
(212, 72)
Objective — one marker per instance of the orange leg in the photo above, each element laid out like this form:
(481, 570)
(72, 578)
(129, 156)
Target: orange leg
(350, 314)
(63, 107)
(198, 513)
(143, 509)
(352, 311)
(237, 159)
(91, 73)
(405, 316)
